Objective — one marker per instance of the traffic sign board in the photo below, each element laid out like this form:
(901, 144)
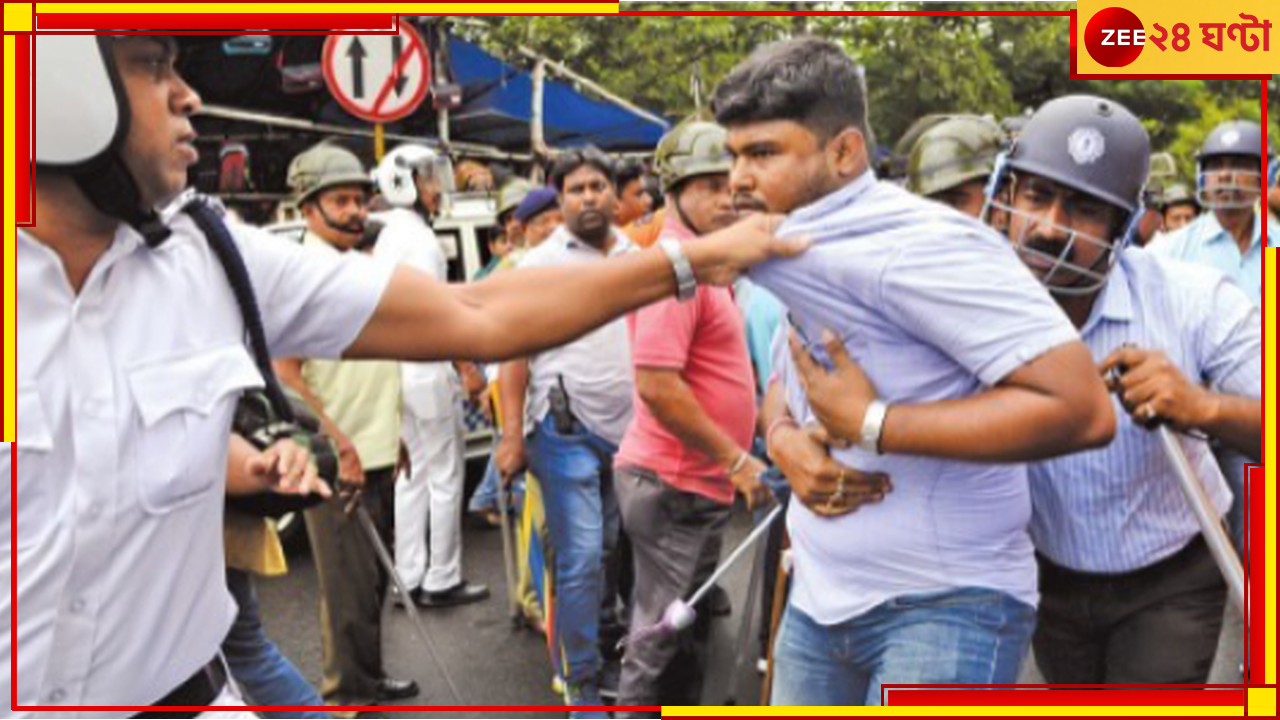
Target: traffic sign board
(378, 78)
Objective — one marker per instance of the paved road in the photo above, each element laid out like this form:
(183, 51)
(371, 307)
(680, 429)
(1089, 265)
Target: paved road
(495, 665)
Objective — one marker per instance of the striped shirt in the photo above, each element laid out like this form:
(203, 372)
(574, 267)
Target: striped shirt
(934, 306)
(1119, 508)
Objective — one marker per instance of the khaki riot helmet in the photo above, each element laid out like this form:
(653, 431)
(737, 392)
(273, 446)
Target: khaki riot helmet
(954, 152)
(691, 149)
(325, 166)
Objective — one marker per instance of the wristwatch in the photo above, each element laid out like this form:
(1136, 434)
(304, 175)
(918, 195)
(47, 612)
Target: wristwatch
(873, 427)
(686, 283)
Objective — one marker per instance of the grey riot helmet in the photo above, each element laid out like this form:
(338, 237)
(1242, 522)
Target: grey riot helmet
(1093, 146)
(1231, 188)
(82, 119)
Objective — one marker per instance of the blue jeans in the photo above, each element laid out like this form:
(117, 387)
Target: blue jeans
(965, 636)
(257, 666)
(582, 524)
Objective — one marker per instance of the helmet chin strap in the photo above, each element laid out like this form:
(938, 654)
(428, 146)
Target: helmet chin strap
(349, 229)
(114, 193)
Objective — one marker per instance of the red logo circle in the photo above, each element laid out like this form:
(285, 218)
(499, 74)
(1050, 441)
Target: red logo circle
(1114, 37)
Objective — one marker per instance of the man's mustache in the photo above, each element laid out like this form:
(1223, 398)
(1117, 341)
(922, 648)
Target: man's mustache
(748, 203)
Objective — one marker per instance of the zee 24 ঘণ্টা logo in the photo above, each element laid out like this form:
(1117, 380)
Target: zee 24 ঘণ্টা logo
(1115, 36)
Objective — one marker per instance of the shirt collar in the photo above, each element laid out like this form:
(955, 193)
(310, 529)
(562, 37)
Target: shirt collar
(125, 242)
(621, 243)
(1115, 304)
(1214, 232)
(828, 204)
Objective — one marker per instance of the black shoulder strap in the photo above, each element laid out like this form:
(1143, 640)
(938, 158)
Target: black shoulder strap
(224, 247)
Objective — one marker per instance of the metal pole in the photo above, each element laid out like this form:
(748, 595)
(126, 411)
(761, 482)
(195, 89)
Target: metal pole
(384, 556)
(738, 552)
(538, 139)
(594, 86)
(1224, 554)
(508, 555)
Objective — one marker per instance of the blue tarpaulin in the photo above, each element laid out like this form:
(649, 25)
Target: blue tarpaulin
(498, 107)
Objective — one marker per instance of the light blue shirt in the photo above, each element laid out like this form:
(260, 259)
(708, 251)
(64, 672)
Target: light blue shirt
(762, 315)
(1119, 508)
(934, 306)
(1205, 242)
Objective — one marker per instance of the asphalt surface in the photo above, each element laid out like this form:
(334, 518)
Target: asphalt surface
(495, 664)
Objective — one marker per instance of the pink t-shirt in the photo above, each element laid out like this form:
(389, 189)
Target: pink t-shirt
(705, 340)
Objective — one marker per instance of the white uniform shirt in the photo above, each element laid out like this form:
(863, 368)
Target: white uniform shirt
(430, 390)
(596, 367)
(124, 401)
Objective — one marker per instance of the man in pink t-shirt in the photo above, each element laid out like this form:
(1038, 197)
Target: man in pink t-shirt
(686, 449)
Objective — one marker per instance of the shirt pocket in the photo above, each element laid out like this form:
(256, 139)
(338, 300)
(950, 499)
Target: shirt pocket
(32, 454)
(185, 405)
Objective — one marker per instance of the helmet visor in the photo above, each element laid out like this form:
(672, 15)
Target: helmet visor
(1228, 188)
(1054, 253)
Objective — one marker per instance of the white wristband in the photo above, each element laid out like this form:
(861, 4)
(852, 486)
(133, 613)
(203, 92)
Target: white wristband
(873, 426)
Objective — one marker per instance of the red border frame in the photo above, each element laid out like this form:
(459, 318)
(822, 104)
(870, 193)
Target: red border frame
(1257, 506)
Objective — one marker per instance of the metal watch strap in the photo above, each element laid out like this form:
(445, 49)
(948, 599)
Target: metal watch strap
(686, 282)
(873, 426)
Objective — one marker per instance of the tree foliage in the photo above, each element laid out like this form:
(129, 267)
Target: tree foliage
(915, 65)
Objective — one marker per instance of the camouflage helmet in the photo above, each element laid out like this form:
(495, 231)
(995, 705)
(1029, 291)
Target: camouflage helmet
(325, 166)
(691, 149)
(954, 152)
(1177, 193)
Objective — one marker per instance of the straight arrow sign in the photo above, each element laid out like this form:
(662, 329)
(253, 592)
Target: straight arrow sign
(357, 55)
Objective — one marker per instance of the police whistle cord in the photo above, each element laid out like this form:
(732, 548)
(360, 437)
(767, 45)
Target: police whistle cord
(384, 556)
(680, 614)
(1215, 535)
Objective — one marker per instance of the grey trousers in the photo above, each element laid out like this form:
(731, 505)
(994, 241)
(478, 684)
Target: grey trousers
(675, 538)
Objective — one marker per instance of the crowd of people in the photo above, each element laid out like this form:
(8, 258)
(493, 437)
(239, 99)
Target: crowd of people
(948, 369)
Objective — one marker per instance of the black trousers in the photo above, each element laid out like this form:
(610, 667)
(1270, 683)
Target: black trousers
(1159, 624)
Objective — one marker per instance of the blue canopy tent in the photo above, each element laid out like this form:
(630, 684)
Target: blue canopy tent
(498, 107)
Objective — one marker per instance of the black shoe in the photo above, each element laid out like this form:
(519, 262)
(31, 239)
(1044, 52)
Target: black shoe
(393, 689)
(398, 600)
(464, 593)
(719, 602)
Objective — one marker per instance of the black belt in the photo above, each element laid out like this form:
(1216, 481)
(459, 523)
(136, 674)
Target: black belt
(200, 690)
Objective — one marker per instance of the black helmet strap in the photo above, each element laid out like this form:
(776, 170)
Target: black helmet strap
(113, 191)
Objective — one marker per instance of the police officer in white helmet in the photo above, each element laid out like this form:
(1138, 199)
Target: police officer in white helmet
(415, 180)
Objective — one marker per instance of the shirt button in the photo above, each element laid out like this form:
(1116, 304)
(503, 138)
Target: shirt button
(94, 511)
(77, 607)
(57, 696)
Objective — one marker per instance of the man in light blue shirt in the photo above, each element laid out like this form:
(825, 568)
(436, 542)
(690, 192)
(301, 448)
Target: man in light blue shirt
(1129, 590)
(936, 584)
(1229, 238)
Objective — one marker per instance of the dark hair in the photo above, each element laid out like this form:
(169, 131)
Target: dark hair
(570, 162)
(807, 80)
(627, 172)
